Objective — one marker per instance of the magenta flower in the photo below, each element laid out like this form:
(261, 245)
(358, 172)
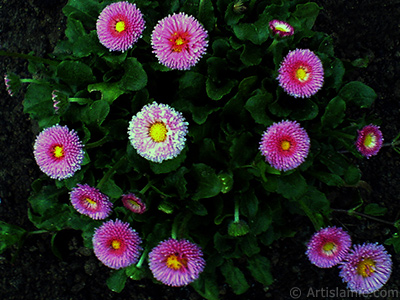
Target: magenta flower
(176, 262)
(366, 268)
(120, 25)
(179, 41)
(116, 244)
(133, 203)
(369, 140)
(58, 152)
(91, 202)
(12, 83)
(281, 28)
(301, 73)
(285, 145)
(328, 247)
(158, 132)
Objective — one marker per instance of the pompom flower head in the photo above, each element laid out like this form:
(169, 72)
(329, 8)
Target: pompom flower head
(133, 203)
(179, 41)
(116, 244)
(366, 268)
(285, 145)
(301, 73)
(158, 132)
(328, 247)
(120, 25)
(281, 28)
(12, 83)
(369, 140)
(58, 152)
(176, 262)
(90, 201)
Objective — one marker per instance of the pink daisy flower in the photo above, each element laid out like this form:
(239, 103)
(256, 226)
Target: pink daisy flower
(328, 247)
(158, 132)
(369, 140)
(281, 28)
(120, 25)
(301, 73)
(179, 41)
(91, 202)
(285, 145)
(133, 203)
(58, 152)
(116, 244)
(366, 268)
(176, 262)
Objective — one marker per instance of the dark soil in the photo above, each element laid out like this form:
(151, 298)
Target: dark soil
(360, 29)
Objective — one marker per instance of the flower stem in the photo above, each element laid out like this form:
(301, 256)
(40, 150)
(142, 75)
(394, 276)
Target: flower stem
(148, 185)
(310, 215)
(142, 258)
(353, 212)
(111, 172)
(80, 101)
(236, 220)
(98, 143)
(29, 57)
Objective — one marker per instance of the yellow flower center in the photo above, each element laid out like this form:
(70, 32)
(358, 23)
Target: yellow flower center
(285, 145)
(158, 132)
(175, 263)
(301, 74)
(282, 28)
(120, 26)
(366, 267)
(370, 140)
(178, 41)
(92, 203)
(329, 247)
(58, 151)
(116, 244)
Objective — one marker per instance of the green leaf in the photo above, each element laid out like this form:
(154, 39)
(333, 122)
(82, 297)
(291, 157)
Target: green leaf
(240, 157)
(352, 175)
(257, 107)
(197, 208)
(135, 273)
(74, 72)
(232, 17)
(10, 235)
(208, 183)
(292, 186)
(87, 11)
(74, 30)
(395, 242)
(305, 15)
(206, 285)
(116, 282)
(374, 209)
(358, 93)
(39, 105)
(257, 32)
(110, 91)
(96, 113)
(334, 113)
(206, 14)
(135, 77)
(249, 245)
(170, 165)
(260, 268)
(234, 277)
(111, 189)
(305, 110)
(251, 55)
